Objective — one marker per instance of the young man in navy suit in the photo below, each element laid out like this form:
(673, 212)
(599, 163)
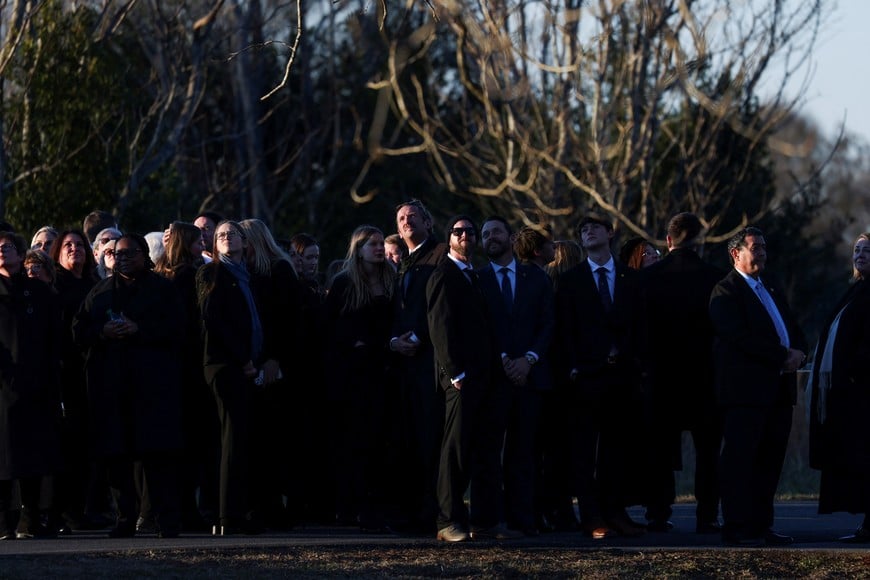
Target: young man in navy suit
(598, 330)
(520, 301)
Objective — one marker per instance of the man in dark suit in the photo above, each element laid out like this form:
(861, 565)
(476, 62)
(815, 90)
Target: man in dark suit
(598, 322)
(465, 358)
(679, 360)
(757, 350)
(520, 300)
(420, 408)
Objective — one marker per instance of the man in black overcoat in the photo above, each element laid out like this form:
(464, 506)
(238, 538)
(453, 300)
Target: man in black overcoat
(757, 350)
(679, 360)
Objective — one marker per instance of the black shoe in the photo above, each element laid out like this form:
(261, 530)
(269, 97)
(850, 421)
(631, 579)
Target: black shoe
(122, 531)
(713, 527)
(146, 525)
(660, 526)
(735, 539)
(772, 538)
(543, 524)
(35, 532)
(861, 536)
(248, 530)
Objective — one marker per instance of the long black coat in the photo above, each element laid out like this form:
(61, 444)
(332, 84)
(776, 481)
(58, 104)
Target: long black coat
(678, 349)
(30, 403)
(841, 447)
(134, 383)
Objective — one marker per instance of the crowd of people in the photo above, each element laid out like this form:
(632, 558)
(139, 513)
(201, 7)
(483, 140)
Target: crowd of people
(207, 377)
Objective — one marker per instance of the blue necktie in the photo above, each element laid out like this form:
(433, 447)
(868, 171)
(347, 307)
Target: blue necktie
(506, 292)
(773, 311)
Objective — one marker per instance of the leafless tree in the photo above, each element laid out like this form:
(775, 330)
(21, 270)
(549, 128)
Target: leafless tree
(633, 108)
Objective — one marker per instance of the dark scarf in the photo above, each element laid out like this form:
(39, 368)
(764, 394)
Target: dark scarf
(241, 274)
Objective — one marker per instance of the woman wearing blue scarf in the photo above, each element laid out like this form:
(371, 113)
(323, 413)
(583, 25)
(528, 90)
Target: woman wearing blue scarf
(235, 354)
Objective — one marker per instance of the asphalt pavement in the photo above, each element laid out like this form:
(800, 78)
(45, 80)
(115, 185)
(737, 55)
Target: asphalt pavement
(798, 519)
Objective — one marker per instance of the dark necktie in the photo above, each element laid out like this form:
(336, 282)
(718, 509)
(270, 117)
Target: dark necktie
(506, 291)
(604, 289)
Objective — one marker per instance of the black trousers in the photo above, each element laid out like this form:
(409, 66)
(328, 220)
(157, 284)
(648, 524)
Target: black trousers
(240, 465)
(608, 446)
(470, 454)
(520, 412)
(705, 428)
(755, 441)
(421, 427)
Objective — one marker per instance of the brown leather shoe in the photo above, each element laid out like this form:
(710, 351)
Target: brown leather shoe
(597, 529)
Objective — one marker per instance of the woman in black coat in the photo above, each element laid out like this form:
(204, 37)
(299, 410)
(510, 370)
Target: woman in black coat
(359, 310)
(131, 327)
(840, 401)
(200, 426)
(30, 411)
(79, 488)
(238, 364)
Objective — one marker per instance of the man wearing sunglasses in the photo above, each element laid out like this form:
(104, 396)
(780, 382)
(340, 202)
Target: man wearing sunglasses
(465, 356)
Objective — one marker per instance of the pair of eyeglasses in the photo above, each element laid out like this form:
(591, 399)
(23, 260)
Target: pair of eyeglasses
(33, 268)
(649, 253)
(110, 252)
(42, 245)
(7, 247)
(228, 235)
(459, 231)
(126, 254)
(104, 241)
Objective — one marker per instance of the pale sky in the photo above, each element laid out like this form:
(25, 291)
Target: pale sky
(840, 87)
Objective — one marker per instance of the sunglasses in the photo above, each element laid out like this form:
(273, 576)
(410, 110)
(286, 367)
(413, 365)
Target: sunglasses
(459, 231)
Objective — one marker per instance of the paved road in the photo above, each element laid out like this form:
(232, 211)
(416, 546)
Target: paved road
(798, 519)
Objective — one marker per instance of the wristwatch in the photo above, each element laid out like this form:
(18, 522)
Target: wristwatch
(532, 360)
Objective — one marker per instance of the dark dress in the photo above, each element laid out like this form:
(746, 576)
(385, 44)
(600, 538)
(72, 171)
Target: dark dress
(356, 367)
(79, 483)
(30, 410)
(841, 446)
(200, 425)
(134, 390)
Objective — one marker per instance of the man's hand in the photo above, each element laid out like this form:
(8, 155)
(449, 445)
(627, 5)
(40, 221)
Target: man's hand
(517, 369)
(794, 361)
(404, 345)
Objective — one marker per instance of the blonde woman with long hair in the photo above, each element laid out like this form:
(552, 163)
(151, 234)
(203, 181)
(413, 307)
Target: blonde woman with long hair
(359, 314)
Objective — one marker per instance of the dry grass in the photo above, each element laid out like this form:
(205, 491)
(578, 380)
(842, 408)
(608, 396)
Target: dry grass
(444, 562)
